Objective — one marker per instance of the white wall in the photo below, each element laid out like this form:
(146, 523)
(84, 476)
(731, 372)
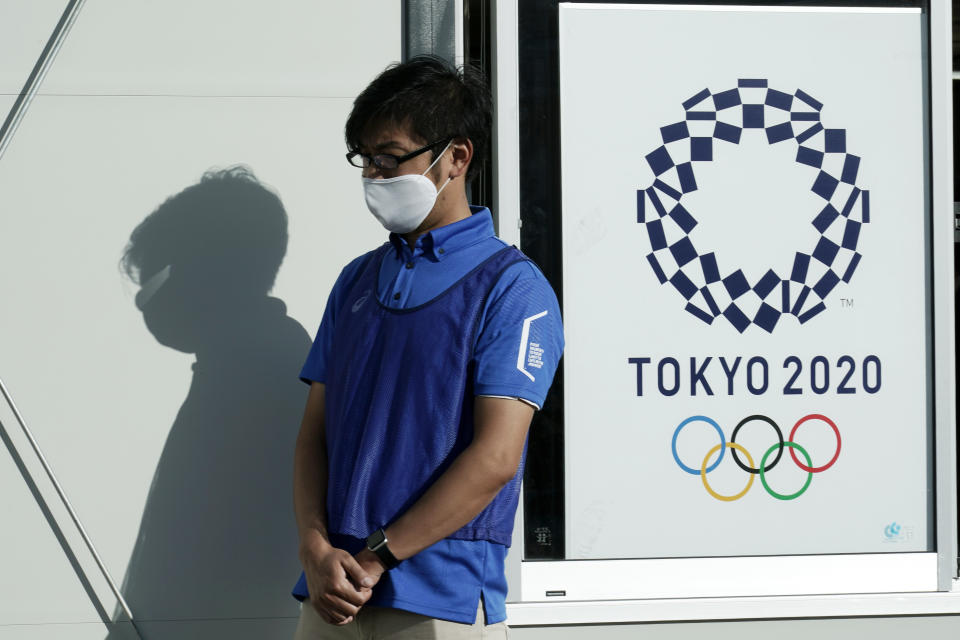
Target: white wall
(144, 98)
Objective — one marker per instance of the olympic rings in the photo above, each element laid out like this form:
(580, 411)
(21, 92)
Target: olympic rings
(763, 469)
(676, 433)
(763, 478)
(815, 416)
(733, 438)
(703, 472)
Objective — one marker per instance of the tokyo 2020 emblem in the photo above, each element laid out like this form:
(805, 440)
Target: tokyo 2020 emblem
(712, 287)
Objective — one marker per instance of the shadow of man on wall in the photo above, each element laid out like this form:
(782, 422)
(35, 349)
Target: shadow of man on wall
(217, 540)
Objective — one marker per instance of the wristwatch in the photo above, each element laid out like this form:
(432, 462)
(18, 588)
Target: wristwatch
(377, 542)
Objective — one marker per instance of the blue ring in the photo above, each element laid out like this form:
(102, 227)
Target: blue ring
(673, 444)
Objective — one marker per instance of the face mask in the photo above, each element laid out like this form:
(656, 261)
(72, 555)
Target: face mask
(401, 204)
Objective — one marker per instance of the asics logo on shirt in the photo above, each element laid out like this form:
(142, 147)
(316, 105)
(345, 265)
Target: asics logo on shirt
(360, 301)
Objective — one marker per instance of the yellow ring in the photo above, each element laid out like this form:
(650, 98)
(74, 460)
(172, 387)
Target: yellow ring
(703, 472)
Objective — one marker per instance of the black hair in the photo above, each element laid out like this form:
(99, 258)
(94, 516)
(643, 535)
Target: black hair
(435, 99)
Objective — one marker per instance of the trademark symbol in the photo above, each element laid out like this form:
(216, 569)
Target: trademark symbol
(846, 302)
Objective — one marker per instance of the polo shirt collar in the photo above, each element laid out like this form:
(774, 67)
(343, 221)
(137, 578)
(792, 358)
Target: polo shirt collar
(447, 239)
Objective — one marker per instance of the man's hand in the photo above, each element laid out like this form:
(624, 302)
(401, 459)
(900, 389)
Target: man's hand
(338, 585)
(371, 564)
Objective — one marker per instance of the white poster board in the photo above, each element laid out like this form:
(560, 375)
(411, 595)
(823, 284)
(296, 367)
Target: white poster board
(744, 244)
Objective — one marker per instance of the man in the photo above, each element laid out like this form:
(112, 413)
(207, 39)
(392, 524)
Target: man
(433, 353)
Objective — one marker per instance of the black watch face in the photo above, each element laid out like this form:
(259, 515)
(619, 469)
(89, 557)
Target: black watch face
(376, 538)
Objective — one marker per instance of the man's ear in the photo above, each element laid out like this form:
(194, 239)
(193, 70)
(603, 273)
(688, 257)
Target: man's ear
(461, 154)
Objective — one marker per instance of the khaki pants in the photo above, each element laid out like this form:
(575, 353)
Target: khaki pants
(380, 623)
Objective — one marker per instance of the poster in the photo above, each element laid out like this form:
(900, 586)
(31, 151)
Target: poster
(744, 281)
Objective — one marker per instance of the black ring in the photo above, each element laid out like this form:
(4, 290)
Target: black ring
(733, 438)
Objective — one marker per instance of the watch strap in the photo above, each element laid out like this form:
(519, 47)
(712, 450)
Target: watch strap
(377, 542)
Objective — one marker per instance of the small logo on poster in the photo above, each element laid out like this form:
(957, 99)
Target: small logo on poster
(708, 283)
(895, 532)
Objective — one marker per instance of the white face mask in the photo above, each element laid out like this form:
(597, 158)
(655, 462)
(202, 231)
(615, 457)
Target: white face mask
(401, 204)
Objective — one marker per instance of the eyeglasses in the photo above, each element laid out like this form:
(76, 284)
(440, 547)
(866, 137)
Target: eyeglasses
(388, 160)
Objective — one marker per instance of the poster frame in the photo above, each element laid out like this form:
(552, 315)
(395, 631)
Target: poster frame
(930, 579)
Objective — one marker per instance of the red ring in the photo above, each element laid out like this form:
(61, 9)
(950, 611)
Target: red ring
(793, 455)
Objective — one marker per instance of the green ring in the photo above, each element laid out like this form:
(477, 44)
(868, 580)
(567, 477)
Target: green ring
(763, 463)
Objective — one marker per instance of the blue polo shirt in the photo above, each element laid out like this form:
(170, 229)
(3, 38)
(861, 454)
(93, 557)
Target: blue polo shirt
(518, 345)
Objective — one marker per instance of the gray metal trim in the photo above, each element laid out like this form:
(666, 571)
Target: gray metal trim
(66, 502)
(506, 193)
(941, 200)
(430, 26)
(44, 62)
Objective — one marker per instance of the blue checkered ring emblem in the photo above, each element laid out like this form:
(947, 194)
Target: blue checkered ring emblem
(711, 289)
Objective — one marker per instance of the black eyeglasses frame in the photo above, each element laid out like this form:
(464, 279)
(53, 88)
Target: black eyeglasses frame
(388, 160)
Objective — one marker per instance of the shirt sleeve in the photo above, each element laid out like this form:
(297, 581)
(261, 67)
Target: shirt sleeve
(520, 340)
(315, 367)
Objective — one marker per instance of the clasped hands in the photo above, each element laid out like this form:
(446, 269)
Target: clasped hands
(339, 583)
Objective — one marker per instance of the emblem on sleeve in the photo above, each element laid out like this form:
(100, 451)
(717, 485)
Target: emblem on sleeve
(530, 354)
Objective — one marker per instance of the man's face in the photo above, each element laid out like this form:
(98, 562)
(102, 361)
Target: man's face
(397, 140)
